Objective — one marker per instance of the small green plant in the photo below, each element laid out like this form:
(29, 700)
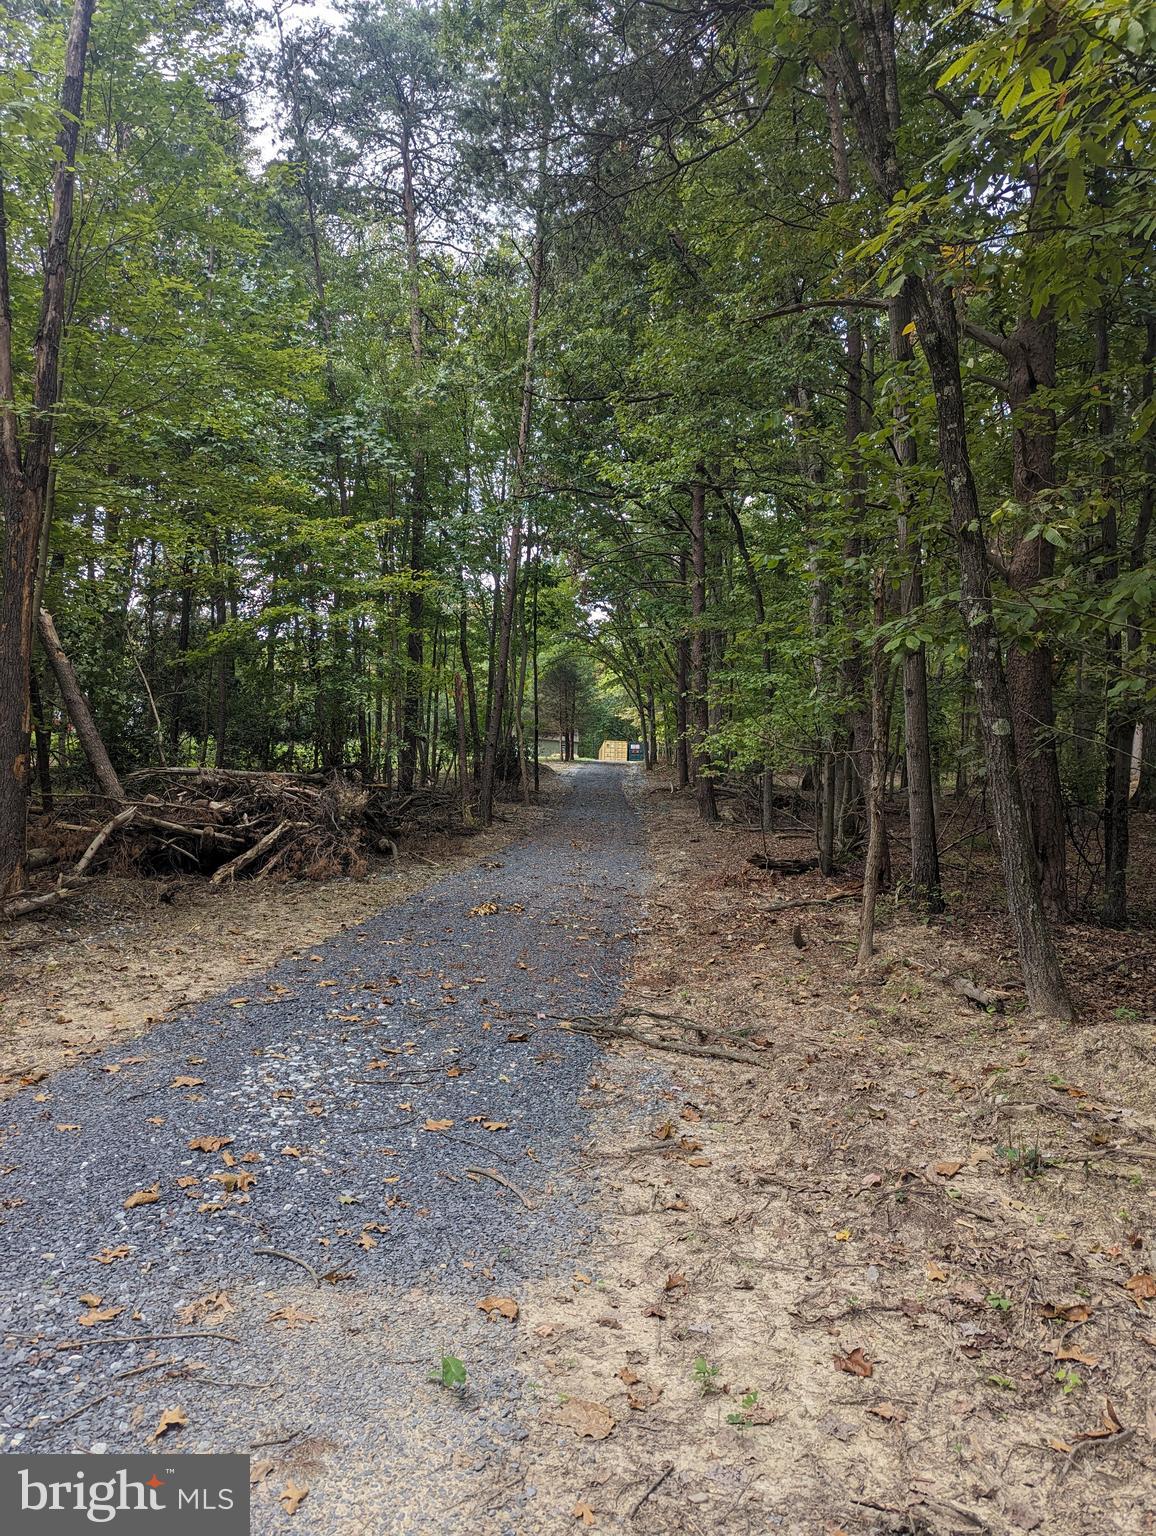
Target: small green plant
(1004, 1383)
(450, 1372)
(1029, 1161)
(1069, 1379)
(705, 1376)
(748, 1403)
(1129, 1015)
(1000, 1303)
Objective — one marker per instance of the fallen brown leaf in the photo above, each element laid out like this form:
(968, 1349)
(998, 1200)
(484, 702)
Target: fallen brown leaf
(171, 1418)
(855, 1364)
(498, 1306)
(98, 1315)
(144, 1197)
(588, 1420)
(292, 1316)
(110, 1255)
(949, 1168)
(292, 1495)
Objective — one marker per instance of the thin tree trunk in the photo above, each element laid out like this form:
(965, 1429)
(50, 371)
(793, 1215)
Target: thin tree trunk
(513, 561)
(78, 711)
(699, 705)
(1031, 361)
(25, 471)
(681, 694)
(875, 768)
(463, 756)
(767, 796)
(415, 615)
(42, 735)
(873, 101)
(925, 877)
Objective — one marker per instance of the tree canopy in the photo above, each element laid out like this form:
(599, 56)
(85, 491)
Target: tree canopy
(774, 382)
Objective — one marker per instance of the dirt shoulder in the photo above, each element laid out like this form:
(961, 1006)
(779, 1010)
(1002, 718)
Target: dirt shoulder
(896, 1278)
(128, 951)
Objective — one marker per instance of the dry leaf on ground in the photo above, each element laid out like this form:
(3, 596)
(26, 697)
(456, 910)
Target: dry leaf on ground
(144, 1196)
(171, 1418)
(498, 1306)
(292, 1494)
(588, 1420)
(855, 1364)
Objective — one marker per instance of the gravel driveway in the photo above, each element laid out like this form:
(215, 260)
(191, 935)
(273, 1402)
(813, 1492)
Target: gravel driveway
(332, 1110)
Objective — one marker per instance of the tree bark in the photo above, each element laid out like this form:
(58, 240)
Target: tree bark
(925, 877)
(1031, 362)
(513, 560)
(25, 469)
(874, 774)
(681, 695)
(699, 706)
(463, 756)
(42, 735)
(873, 102)
(78, 711)
(411, 732)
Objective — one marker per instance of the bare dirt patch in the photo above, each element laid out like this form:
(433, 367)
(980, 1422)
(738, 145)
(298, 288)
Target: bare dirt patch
(898, 1277)
(114, 960)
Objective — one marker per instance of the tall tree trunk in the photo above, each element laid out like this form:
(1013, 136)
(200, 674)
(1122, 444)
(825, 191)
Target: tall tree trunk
(1146, 789)
(1031, 359)
(471, 689)
(415, 606)
(681, 694)
(25, 468)
(1119, 722)
(517, 487)
(463, 756)
(925, 877)
(874, 104)
(699, 704)
(767, 796)
(874, 772)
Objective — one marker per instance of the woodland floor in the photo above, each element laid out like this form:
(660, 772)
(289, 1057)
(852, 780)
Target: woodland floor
(897, 1279)
(894, 1278)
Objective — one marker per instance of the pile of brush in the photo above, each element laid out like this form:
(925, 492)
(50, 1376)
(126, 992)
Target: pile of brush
(226, 824)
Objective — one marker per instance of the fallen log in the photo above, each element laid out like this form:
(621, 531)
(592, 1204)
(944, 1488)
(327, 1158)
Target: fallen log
(783, 866)
(811, 901)
(67, 885)
(250, 855)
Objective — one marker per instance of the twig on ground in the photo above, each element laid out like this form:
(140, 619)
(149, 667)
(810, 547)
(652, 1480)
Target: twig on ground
(654, 1486)
(594, 1025)
(285, 1439)
(810, 901)
(139, 1370)
(145, 1338)
(291, 1258)
(500, 1178)
(76, 1412)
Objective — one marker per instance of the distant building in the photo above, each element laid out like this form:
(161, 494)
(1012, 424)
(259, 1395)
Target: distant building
(613, 752)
